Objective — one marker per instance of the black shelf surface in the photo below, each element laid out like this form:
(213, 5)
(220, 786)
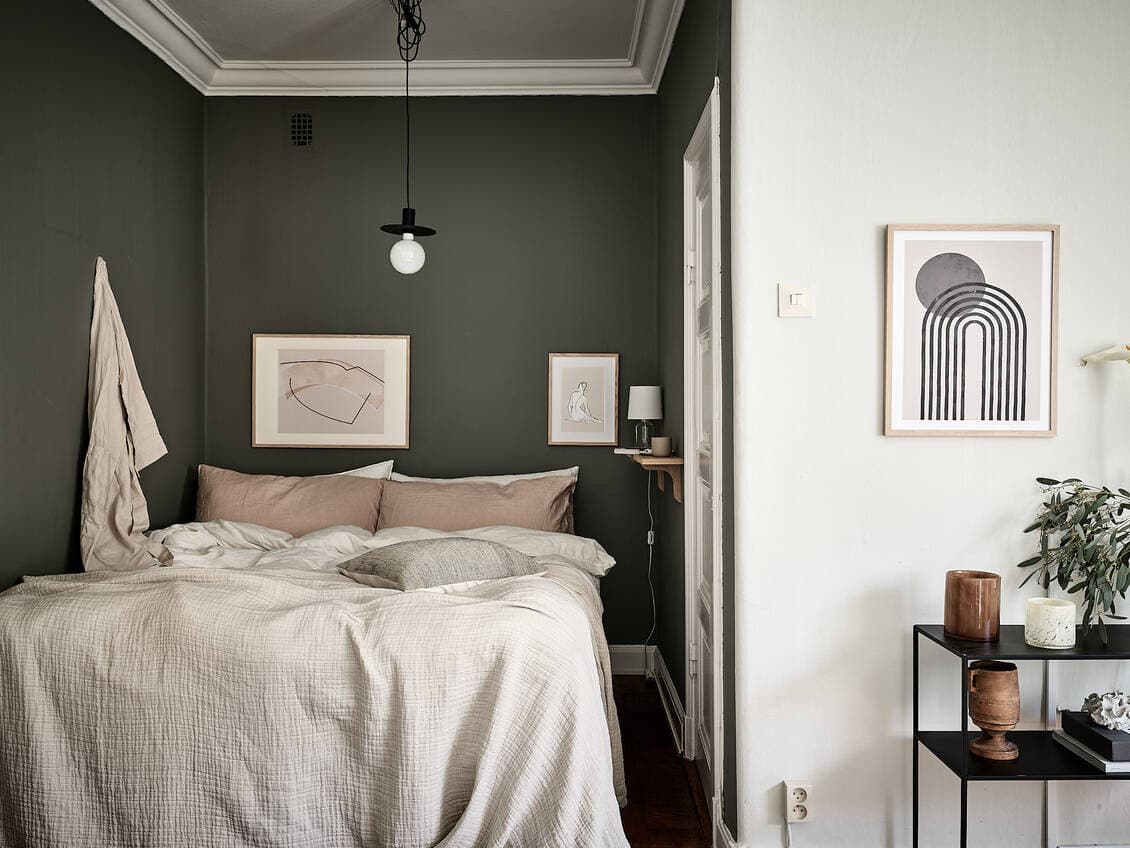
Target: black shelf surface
(1012, 647)
(1041, 758)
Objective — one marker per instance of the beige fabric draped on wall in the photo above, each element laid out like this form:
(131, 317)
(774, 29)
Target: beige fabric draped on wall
(123, 440)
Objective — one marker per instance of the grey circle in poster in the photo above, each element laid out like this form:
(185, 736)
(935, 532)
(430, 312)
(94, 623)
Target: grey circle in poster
(945, 271)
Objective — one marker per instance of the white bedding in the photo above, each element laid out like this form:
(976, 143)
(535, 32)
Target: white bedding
(249, 695)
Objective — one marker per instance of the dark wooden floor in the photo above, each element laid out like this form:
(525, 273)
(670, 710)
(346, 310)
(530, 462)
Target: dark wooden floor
(666, 806)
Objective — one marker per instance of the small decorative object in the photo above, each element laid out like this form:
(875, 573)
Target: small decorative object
(660, 445)
(329, 391)
(407, 255)
(1111, 710)
(994, 706)
(1084, 546)
(1049, 623)
(973, 605)
(645, 405)
(971, 330)
(584, 397)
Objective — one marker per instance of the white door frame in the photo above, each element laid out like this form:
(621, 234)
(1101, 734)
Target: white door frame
(707, 132)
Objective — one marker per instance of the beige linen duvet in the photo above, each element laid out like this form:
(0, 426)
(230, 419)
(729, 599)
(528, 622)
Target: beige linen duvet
(249, 695)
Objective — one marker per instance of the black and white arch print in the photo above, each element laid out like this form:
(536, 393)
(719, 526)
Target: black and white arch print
(973, 347)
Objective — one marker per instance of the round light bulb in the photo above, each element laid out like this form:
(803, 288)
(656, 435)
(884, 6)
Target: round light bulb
(407, 255)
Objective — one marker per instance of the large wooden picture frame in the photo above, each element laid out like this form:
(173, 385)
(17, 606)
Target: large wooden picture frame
(584, 398)
(329, 391)
(972, 323)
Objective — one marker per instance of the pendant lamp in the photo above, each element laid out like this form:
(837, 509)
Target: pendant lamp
(407, 255)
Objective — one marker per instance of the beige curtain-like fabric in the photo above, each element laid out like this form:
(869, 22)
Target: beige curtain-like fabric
(123, 440)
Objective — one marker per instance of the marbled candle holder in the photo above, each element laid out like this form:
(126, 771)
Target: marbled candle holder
(1049, 623)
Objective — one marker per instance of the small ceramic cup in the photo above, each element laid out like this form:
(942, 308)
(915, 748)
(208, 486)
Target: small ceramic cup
(660, 445)
(1049, 623)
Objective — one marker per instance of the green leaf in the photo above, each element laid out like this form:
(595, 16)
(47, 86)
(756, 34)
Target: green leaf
(1028, 563)
(1102, 630)
(1047, 481)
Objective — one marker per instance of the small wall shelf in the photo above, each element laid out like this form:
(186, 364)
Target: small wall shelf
(672, 466)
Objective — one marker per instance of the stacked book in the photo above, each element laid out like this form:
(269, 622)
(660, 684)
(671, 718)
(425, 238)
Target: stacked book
(1107, 750)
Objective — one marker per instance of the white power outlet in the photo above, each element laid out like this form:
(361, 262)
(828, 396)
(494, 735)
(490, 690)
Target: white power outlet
(798, 801)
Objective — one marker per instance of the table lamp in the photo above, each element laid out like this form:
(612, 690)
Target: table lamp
(645, 405)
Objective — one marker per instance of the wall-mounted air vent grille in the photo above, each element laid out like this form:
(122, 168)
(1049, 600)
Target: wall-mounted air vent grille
(302, 130)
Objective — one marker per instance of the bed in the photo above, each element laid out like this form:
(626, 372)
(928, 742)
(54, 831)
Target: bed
(250, 694)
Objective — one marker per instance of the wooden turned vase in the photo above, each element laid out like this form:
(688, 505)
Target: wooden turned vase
(994, 706)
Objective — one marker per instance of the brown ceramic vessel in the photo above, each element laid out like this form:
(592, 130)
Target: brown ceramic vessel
(973, 605)
(994, 706)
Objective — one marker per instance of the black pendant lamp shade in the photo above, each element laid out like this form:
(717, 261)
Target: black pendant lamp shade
(407, 225)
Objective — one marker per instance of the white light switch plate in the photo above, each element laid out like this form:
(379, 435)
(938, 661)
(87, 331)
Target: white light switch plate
(795, 301)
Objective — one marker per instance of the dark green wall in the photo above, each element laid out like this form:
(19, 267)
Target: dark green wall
(701, 52)
(101, 152)
(545, 208)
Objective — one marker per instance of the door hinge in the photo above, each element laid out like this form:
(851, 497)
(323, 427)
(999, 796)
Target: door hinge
(692, 658)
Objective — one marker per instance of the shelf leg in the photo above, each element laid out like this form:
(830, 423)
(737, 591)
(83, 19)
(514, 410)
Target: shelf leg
(914, 757)
(964, 752)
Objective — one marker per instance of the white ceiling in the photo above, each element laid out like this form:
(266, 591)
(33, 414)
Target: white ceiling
(339, 47)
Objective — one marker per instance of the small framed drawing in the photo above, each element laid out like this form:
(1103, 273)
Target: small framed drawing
(584, 393)
(329, 391)
(971, 330)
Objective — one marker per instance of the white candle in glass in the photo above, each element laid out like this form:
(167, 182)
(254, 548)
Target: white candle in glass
(1049, 623)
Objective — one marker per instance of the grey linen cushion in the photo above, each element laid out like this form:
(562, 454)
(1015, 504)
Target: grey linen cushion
(436, 562)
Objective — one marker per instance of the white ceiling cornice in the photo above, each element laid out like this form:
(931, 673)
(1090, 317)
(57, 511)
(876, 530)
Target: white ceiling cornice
(158, 27)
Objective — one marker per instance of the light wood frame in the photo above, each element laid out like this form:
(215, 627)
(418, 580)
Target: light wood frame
(407, 388)
(615, 357)
(1053, 341)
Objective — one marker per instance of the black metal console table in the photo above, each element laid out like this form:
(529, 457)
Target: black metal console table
(1041, 757)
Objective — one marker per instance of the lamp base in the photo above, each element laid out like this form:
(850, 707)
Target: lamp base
(644, 431)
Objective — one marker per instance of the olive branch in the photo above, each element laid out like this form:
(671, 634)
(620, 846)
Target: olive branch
(1084, 546)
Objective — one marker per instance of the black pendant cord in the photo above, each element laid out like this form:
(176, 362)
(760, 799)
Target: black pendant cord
(410, 28)
(409, 33)
(407, 142)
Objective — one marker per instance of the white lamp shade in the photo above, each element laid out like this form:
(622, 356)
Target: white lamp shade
(645, 403)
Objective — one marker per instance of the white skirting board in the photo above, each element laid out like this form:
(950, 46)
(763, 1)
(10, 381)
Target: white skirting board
(722, 836)
(646, 660)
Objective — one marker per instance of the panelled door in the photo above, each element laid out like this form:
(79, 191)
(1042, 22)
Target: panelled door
(702, 430)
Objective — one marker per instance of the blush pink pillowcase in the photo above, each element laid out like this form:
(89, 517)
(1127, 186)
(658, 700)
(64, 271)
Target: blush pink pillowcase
(295, 505)
(544, 503)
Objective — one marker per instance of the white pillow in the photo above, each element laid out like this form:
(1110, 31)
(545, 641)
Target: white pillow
(500, 479)
(587, 554)
(380, 471)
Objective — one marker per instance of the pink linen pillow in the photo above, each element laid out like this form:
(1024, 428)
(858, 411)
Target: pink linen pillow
(544, 503)
(296, 505)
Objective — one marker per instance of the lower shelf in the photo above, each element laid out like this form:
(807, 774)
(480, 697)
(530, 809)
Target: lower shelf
(1041, 758)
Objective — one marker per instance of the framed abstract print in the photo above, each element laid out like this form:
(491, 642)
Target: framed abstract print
(971, 330)
(329, 391)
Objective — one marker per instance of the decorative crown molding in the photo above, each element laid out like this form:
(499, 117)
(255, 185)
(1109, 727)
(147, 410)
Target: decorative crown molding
(174, 41)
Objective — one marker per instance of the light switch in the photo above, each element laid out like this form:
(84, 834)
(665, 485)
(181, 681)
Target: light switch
(794, 301)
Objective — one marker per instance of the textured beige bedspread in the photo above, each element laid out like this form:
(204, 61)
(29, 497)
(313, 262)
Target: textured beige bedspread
(272, 706)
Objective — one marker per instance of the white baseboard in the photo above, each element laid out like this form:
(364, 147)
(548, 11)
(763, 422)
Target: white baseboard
(669, 695)
(646, 660)
(629, 659)
(722, 836)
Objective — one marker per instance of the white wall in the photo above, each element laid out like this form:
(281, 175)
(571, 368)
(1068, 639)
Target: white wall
(849, 116)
